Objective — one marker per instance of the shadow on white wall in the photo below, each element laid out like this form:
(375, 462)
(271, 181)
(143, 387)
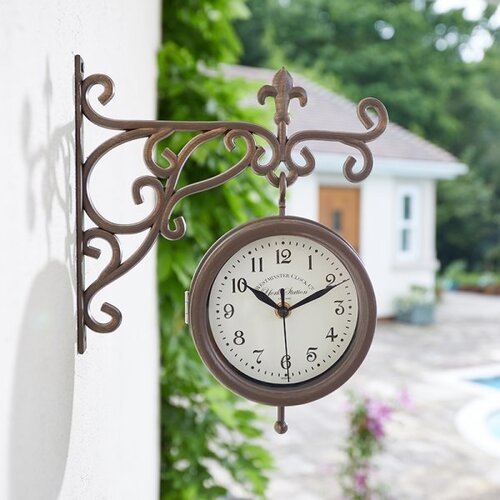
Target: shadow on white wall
(43, 379)
(41, 407)
(49, 166)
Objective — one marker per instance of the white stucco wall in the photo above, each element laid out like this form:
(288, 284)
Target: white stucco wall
(303, 198)
(72, 427)
(391, 278)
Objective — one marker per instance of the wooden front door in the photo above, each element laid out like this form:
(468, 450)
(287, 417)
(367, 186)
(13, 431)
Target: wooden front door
(339, 210)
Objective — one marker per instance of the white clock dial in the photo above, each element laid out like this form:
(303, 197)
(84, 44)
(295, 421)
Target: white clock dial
(312, 336)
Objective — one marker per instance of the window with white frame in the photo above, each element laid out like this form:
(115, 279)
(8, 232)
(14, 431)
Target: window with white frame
(407, 223)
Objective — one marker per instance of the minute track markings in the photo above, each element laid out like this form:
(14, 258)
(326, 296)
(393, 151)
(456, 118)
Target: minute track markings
(299, 281)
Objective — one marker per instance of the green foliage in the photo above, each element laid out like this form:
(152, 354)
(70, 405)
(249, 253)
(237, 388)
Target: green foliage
(457, 276)
(411, 57)
(202, 424)
(465, 204)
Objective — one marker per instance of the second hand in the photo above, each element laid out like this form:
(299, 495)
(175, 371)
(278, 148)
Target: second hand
(287, 361)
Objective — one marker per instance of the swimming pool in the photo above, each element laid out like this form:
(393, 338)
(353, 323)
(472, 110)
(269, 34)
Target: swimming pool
(493, 382)
(478, 420)
(493, 423)
(493, 419)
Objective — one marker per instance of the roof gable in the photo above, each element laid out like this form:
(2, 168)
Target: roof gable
(326, 110)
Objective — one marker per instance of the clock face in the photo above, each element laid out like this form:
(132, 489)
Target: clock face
(287, 339)
(282, 311)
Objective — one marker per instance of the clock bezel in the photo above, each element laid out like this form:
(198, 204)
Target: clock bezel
(264, 392)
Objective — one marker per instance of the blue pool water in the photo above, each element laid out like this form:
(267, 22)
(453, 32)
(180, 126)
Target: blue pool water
(493, 420)
(493, 423)
(493, 382)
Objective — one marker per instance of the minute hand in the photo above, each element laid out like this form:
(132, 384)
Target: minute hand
(316, 295)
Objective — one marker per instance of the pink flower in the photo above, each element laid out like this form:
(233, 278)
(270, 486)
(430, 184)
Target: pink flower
(378, 411)
(377, 415)
(360, 481)
(376, 428)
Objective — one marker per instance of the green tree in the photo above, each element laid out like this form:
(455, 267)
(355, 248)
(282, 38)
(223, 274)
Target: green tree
(202, 424)
(466, 204)
(411, 57)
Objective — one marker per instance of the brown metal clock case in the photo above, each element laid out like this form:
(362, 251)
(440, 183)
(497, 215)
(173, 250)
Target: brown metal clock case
(221, 368)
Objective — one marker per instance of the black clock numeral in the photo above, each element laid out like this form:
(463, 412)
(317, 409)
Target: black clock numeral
(259, 354)
(238, 337)
(228, 311)
(283, 256)
(330, 278)
(310, 262)
(257, 264)
(239, 285)
(286, 362)
(340, 308)
(311, 354)
(331, 334)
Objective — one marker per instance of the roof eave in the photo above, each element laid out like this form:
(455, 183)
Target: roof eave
(395, 167)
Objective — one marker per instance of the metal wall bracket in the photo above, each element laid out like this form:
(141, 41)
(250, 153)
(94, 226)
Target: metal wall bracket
(163, 181)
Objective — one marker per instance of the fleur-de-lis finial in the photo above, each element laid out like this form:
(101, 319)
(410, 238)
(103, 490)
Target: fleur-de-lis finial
(283, 91)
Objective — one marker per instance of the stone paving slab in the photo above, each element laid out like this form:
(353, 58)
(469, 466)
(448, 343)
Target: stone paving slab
(426, 457)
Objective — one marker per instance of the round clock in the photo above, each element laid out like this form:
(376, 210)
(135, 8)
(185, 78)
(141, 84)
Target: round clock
(282, 310)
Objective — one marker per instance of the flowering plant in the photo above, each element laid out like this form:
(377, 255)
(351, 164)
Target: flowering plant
(367, 421)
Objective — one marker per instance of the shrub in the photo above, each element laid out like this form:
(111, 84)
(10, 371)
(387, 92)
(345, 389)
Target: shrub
(203, 426)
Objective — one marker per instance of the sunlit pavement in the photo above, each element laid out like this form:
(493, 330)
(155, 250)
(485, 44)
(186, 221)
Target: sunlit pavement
(426, 456)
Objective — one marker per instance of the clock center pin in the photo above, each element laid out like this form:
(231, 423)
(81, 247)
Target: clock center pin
(283, 311)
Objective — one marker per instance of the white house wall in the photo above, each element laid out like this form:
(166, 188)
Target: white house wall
(378, 236)
(72, 427)
(392, 277)
(303, 198)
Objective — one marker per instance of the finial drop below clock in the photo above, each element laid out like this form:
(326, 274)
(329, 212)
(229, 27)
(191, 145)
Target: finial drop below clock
(280, 425)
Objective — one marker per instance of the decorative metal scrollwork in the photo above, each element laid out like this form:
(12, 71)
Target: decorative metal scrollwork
(163, 181)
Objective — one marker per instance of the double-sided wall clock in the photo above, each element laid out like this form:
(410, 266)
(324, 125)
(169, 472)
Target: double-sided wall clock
(281, 309)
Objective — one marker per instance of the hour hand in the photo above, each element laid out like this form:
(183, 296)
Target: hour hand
(263, 297)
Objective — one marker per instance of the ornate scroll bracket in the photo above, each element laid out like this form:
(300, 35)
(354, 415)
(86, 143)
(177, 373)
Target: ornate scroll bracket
(264, 161)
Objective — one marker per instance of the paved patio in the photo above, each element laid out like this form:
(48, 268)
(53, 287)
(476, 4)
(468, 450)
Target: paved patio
(426, 456)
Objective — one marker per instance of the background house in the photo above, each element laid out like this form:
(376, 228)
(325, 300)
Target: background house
(390, 217)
